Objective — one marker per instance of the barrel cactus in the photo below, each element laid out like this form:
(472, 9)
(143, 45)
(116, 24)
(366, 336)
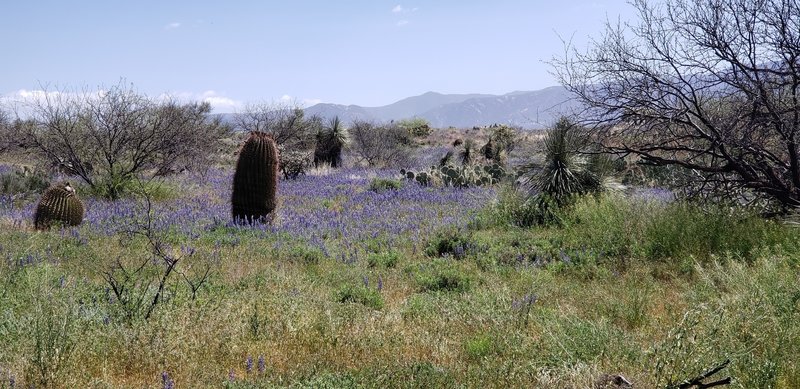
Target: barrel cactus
(59, 204)
(255, 181)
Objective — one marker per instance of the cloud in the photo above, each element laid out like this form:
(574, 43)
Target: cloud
(402, 23)
(399, 9)
(219, 103)
(172, 26)
(306, 102)
(23, 101)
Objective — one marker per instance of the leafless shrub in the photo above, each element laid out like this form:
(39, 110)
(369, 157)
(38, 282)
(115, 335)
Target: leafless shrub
(712, 87)
(285, 121)
(379, 145)
(108, 139)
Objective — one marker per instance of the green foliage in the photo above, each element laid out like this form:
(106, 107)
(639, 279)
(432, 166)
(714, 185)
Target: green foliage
(54, 344)
(440, 275)
(686, 230)
(386, 259)
(615, 227)
(378, 184)
(563, 174)
(255, 181)
(449, 241)
(514, 208)
(23, 182)
(479, 346)
(360, 294)
(155, 189)
(305, 254)
(416, 126)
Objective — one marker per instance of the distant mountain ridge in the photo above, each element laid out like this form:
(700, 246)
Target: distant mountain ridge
(528, 109)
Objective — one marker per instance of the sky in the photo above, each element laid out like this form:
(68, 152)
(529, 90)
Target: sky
(230, 53)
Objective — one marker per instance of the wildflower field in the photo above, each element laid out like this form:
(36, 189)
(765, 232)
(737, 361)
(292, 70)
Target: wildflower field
(358, 284)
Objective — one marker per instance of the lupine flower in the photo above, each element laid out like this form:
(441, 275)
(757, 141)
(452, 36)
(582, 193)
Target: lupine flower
(262, 364)
(380, 283)
(525, 301)
(248, 364)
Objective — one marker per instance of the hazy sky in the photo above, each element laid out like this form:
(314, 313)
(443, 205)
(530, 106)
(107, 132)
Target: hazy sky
(367, 52)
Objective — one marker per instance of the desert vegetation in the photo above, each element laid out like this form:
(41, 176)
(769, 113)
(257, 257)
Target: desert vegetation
(146, 243)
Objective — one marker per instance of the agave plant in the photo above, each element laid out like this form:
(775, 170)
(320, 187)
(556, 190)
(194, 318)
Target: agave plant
(563, 172)
(330, 142)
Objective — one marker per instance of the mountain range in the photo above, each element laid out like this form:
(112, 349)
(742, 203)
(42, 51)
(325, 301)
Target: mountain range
(528, 109)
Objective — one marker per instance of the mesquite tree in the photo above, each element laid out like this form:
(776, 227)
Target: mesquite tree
(711, 86)
(108, 139)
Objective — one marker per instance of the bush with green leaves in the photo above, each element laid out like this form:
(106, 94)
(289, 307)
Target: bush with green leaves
(380, 184)
(416, 126)
(23, 182)
(361, 294)
(385, 259)
(449, 241)
(441, 275)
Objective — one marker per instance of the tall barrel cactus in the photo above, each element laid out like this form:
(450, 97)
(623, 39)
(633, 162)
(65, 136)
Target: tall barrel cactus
(255, 181)
(59, 203)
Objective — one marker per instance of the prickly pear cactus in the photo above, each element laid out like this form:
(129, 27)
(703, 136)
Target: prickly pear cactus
(60, 204)
(255, 182)
(459, 177)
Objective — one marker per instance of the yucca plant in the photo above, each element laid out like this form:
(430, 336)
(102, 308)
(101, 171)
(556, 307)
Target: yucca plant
(446, 158)
(563, 172)
(467, 153)
(331, 140)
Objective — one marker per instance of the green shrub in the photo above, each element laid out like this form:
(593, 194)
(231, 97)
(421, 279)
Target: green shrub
(304, 254)
(442, 276)
(361, 294)
(683, 230)
(386, 259)
(610, 225)
(379, 184)
(479, 346)
(449, 241)
(156, 190)
(613, 226)
(23, 182)
(512, 208)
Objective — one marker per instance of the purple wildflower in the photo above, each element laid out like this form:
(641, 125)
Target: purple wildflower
(262, 364)
(248, 364)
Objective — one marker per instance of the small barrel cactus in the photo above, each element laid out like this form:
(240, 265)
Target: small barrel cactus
(59, 203)
(255, 181)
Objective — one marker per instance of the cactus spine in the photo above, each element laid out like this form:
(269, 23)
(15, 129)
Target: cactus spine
(255, 181)
(59, 203)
